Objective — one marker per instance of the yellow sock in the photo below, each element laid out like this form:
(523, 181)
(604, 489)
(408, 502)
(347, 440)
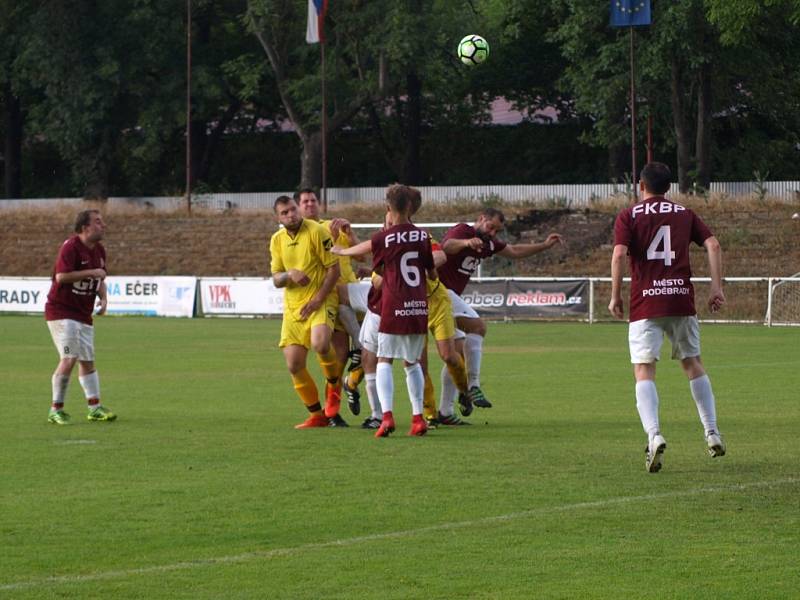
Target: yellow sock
(429, 399)
(355, 377)
(459, 374)
(331, 367)
(307, 390)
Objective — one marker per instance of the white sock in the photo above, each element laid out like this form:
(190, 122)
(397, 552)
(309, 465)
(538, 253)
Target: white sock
(372, 395)
(415, 382)
(385, 385)
(473, 351)
(647, 405)
(60, 385)
(91, 385)
(447, 400)
(348, 318)
(704, 399)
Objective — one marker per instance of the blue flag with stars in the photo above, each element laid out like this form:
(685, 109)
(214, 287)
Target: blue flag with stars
(630, 13)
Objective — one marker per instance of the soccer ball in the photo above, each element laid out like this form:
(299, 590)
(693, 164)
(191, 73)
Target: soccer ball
(473, 50)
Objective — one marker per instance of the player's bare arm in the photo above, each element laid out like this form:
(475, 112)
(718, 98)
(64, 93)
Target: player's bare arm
(331, 277)
(102, 296)
(290, 278)
(525, 250)
(358, 250)
(73, 276)
(454, 245)
(615, 306)
(716, 298)
(439, 258)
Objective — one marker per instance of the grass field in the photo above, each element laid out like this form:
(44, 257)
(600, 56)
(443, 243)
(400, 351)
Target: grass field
(202, 488)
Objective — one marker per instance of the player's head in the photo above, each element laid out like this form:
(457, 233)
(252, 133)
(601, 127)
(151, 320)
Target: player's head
(308, 203)
(655, 178)
(89, 225)
(400, 198)
(490, 222)
(416, 201)
(287, 213)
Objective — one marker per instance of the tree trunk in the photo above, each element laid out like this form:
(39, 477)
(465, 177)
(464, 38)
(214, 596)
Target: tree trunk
(13, 145)
(681, 129)
(311, 161)
(412, 167)
(704, 133)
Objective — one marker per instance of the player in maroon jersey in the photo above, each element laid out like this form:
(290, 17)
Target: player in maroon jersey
(78, 281)
(656, 233)
(402, 255)
(466, 246)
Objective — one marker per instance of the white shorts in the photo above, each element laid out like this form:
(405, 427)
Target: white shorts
(646, 336)
(358, 292)
(408, 347)
(368, 336)
(73, 339)
(461, 308)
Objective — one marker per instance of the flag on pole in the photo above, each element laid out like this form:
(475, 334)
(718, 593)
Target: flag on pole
(315, 30)
(630, 13)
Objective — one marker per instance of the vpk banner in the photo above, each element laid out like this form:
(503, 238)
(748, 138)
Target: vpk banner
(528, 299)
(153, 296)
(226, 296)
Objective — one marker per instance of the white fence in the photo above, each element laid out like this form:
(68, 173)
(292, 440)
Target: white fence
(577, 195)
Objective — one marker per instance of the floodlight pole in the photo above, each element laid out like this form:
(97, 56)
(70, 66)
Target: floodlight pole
(633, 121)
(324, 130)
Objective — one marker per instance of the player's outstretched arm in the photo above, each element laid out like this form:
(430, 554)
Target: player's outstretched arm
(360, 249)
(525, 250)
(716, 296)
(615, 305)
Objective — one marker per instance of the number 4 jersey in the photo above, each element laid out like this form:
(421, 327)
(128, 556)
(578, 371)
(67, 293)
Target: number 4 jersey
(75, 300)
(658, 233)
(403, 254)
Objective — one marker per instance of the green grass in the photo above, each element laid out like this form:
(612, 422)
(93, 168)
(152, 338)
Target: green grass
(202, 488)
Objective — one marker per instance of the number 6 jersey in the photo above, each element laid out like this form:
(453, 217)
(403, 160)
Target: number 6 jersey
(658, 233)
(404, 253)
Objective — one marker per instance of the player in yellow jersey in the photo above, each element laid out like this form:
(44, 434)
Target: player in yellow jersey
(346, 325)
(302, 264)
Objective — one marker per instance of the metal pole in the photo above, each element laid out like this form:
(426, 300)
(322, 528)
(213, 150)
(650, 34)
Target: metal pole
(324, 132)
(633, 123)
(189, 105)
(649, 138)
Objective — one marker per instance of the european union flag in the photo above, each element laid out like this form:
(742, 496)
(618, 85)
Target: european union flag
(630, 13)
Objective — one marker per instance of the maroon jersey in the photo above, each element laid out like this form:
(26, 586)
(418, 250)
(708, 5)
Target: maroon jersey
(658, 233)
(75, 300)
(404, 252)
(455, 273)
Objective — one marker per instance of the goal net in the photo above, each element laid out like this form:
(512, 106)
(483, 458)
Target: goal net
(784, 302)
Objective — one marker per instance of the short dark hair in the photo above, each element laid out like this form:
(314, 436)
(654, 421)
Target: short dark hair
(490, 213)
(84, 219)
(281, 200)
(401, 197)
(656, 177)
(301, 191)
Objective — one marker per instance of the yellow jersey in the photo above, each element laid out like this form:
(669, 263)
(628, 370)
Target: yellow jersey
(346, 274)
(309, 251)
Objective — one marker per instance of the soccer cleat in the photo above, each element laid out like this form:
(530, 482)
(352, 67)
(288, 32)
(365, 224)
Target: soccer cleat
(353, 398)
(371, 423)
(100, 413)
(465, 404)
(337, 421)
(451, 420)
(418, 426)
(431, 422)
(333, 399)
(478, 399)
(654, 453)
(387, 425)
(355, 360)
(58, 417)
(716, 447)
(313, 421)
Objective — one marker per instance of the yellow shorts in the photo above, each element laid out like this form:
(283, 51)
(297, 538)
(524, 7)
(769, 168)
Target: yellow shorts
(297, 332)
(441, 323)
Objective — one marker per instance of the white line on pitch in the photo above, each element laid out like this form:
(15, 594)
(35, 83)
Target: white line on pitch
(278, 552)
